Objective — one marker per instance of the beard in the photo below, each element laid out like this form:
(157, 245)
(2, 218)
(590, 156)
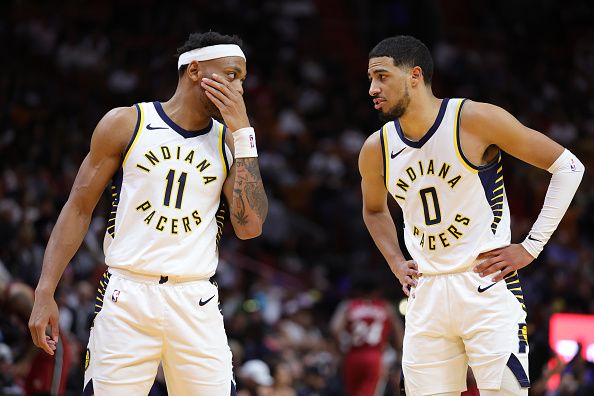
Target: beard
(397, 110)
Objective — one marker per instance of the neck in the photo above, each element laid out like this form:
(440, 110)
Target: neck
(185, 109)
(420, 115)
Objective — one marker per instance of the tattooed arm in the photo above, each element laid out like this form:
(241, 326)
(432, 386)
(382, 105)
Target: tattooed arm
(246, 197)
(243, 188)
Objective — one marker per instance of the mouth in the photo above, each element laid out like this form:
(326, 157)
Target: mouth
(378, 103)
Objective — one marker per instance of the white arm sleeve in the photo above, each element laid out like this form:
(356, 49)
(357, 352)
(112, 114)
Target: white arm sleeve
(567, 173)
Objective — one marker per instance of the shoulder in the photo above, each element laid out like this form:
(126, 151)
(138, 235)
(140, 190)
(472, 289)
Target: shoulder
(372, 144)
(477, 115)
(373, 139)
(371, 153)
(116, 127)
(119, 118)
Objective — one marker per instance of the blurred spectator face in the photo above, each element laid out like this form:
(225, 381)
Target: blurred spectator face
(282, 375)
(256, 375)
(6, 366)
(5, 356)
(314, 378)
(388, 87)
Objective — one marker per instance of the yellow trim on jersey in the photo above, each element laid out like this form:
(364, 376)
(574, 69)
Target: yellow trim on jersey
(386, 156)
(136, 132)
(222, 148)
(458, 149)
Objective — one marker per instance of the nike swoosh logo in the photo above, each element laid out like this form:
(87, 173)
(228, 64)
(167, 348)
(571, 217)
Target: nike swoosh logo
(482, 289)
(201, 303)
(533, 239)
(392, 155)
(152, 128)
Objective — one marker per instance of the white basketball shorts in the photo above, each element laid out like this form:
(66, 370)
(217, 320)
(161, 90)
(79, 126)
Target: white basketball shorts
(143, 320)
(461, 319)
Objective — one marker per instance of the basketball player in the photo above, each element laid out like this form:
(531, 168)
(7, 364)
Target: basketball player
(365, 323)
(173, 168)
(440, 159)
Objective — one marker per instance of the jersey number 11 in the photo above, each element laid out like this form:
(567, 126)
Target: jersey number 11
(180, 189)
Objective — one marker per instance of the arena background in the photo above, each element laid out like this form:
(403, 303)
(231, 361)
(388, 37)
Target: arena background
(66, 63)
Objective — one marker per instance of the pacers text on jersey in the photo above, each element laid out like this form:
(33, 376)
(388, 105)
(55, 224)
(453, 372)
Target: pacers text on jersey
(433, 214)
(169, 156)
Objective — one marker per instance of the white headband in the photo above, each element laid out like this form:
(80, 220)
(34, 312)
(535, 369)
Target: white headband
(210, 52)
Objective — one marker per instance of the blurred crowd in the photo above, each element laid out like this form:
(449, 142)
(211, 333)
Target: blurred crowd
(66, 63)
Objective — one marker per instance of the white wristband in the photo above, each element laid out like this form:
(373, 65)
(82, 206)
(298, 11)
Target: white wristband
(245, 143)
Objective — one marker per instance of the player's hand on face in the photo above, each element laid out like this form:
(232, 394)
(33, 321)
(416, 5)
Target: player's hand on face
(44, 313)
(407, 273)
(503, 261)
(228, 99)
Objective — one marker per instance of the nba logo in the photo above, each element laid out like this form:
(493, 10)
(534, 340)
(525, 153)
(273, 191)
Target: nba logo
(572, 165)
(115, 295)
(252, 141)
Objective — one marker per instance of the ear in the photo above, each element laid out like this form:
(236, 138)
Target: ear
(416, 74)
(194, 71)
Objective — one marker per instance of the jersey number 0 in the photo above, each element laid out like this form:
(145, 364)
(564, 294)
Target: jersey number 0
(435, 217)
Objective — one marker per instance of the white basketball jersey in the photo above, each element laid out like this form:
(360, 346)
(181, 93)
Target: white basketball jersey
(452, 209)
(167, 205)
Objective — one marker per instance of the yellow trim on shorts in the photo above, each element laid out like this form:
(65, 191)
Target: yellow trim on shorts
(136, 133)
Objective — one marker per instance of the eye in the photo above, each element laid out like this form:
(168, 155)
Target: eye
(232, 75)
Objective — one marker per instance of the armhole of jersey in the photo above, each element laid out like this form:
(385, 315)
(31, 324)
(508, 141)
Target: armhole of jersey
(134, 139)
(458, 144)
(384, 142)
(222, 147)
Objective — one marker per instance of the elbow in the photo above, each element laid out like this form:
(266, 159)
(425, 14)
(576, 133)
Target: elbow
(78, 208)
(371, 212)
(368, 214)
(249, 232)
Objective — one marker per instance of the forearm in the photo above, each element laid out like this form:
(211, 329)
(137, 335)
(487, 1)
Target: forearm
(567, 173)
(383, 231)
(249, 205)
(66, 238)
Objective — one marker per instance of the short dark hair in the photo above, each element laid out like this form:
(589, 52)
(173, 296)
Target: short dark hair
(406, 51)
(199, 40)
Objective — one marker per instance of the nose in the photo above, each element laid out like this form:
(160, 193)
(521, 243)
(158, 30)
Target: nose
(239, 86)
(373, 88)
